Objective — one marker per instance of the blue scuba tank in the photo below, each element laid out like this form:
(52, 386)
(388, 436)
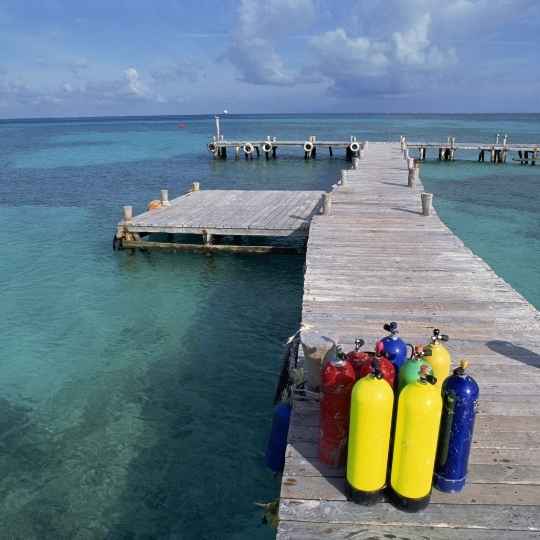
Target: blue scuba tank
(394, 348)
(277, 444)
(460, 401)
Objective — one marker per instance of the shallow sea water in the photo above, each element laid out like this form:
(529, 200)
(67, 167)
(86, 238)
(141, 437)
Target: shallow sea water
(136, 391)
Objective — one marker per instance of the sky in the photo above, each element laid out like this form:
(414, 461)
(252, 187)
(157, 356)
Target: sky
(114, 57)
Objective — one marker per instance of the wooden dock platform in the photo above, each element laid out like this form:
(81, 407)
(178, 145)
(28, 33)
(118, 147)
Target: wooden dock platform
(210, 214)
(218, 146)
(374, 259)
(498, 152)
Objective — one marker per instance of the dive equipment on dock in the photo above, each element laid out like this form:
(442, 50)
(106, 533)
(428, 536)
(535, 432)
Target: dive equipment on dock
(372, 403)
(460, 402)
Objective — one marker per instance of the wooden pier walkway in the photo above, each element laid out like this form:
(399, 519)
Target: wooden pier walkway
(497, 152)
(216, 213)
(375, 259)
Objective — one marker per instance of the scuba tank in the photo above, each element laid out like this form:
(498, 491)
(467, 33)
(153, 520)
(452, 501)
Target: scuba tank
(277, 444)
(372, 403)
(395, 349)
(337, 381)
(410, 370)
(362, 360)
(460, 400)
(415, 444)
(387, 369)
(439, 358)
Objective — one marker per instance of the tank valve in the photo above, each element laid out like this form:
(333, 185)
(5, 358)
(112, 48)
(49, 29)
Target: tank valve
(391, 327)
(437, 336)
(358, 344)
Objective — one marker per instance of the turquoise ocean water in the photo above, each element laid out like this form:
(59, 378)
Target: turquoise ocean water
(136, 391)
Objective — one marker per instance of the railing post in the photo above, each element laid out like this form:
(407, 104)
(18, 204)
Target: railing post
(427, 201)
(164, 197)
(327, 204)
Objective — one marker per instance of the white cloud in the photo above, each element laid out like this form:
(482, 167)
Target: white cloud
(260, 24)
(356, 65)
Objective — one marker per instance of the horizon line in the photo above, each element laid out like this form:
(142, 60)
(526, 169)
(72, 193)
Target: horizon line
(211, 115)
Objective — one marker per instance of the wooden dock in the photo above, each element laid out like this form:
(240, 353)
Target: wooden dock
(374, 259)
(210, 215)
(498, 152)
(268, 147)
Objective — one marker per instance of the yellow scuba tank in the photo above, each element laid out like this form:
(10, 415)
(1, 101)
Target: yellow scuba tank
(438, 356)
(415, 442)
(370, 424)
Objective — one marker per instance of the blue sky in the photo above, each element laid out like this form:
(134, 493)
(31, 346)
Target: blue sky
(71, 58)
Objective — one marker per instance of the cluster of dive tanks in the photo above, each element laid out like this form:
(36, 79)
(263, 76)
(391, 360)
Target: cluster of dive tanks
(395, 419)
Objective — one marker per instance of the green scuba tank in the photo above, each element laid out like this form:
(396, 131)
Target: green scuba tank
(410, 370)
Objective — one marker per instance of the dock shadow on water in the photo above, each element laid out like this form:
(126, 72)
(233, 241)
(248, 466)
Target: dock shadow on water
(200, 466)
(159, 430)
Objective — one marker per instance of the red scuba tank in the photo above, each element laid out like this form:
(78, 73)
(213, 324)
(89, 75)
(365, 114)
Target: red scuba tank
(362, 362)
(337, 380)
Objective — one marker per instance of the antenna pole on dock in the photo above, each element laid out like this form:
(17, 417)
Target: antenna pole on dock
(218, 133)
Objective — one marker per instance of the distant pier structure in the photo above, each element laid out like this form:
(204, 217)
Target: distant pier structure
(497, 152)
(219, 147)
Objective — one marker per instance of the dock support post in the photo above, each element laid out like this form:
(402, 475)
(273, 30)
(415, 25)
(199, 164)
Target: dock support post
(274, 150)
(207, 238)
(414, 174)
(342, 178)
(128, 213)
(330, 151)
(237, 152)
(355, 162)
(164, 197)
(427, 201)
(440, 154)
(481, 156)
(257, 150)
(196, 186)
(492, 159)
(327, 203)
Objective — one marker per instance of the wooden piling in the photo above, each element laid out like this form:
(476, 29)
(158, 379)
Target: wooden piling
(427, 201)
(327, 203)
(164, 197)
(207, 238)
(414, 175)
(355, 162)
(128, 213)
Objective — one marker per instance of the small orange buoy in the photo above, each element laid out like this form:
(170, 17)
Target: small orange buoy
(154, 205)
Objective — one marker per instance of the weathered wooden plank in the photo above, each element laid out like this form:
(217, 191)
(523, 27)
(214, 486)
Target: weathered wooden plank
(333, 489)
(503, 517)
(300, 530)
(479, 473)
